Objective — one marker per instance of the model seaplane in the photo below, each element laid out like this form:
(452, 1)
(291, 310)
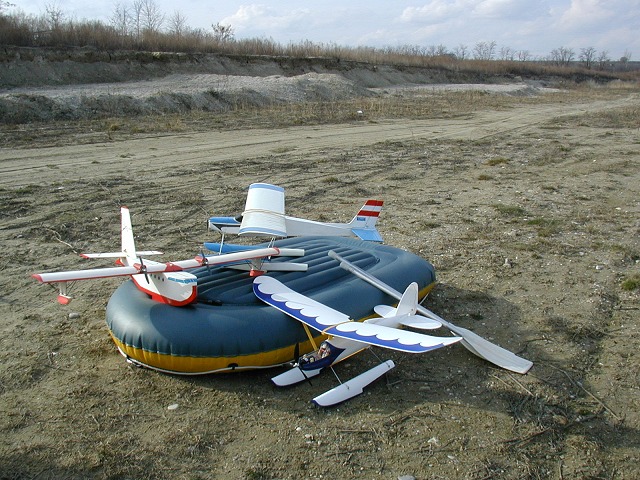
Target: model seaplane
(347, 337)
(264, 216)
(165, 282)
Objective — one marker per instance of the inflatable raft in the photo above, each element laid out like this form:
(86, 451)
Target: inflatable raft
(229, 329)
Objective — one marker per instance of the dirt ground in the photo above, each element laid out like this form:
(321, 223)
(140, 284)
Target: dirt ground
(530, 214)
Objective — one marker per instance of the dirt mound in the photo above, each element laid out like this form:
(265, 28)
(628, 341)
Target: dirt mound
(174, 93)
(45, 85)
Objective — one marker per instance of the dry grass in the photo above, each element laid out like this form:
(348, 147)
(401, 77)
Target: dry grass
(36, 31)
(631, 283)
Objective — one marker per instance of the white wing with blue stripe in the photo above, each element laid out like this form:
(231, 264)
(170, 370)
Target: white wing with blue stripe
(331, 322)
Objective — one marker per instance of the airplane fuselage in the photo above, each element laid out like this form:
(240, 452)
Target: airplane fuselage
(175, 288)
(295, 227)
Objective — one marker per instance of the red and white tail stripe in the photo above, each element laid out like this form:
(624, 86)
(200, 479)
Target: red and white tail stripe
(371, 209)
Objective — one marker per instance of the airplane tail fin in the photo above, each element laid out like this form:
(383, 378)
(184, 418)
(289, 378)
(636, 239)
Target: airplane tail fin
(363, 224)
(409, 302)
(128, 243)
(404, 313)
(128, 254)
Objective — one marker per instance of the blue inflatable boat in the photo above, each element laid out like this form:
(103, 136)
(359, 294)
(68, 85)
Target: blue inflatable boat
(229, 329)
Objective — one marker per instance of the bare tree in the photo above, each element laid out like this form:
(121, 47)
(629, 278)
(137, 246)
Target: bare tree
(121, 19)
(508, 54)
(54, 15)
(603, 59)
(434, 51)
(4, 5)
(441, 50)
(430, 51)
(524, 55)
(562, 56)
(177, 24)
(626, 58)
(137, 17)
(461, 51)
(412, 50)
(222, 33)
(151, 16)
(588, 56)
(484, 50)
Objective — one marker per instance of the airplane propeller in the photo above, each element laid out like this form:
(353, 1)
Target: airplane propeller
(204, 261)
(143, 269)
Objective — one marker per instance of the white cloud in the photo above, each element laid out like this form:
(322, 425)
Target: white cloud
(434, 11)
(586, 12)
(497, 9)
(261, 17)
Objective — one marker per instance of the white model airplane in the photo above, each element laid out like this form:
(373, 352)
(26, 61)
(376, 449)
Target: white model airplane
(348, 337)
(473, 342)
(264, 216)
(164, 282)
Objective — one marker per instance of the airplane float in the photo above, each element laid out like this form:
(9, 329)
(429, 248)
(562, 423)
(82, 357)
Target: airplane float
(347, 337)
(164, 282)
(264, 215)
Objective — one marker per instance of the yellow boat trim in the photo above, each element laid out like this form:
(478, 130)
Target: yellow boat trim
(193, 365)
(199, 365)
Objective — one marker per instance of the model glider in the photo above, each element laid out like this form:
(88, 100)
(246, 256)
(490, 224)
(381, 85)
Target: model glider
(472, 341)
(264, 215)
(347, 337)
(164, 282)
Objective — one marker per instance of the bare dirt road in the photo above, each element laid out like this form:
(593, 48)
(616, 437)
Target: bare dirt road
(214, 150)
(530, 215)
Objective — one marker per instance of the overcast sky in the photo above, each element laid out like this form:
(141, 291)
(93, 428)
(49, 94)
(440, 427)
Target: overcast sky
(535, 26)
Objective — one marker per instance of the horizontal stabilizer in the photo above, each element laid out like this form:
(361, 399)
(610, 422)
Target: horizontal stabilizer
(419, 322)
(224, 224)
(369, 235)
(353, 387)
(414, 321)
(385, 310)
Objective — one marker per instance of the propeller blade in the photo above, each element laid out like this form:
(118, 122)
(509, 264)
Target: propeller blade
(204, 261)
(143, 269)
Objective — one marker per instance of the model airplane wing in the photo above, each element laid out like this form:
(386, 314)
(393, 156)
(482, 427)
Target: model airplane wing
(264, 211)
(92, 273)
(200, 261)
(331, 322)
(143, 253)
(151, 267)
(233, 248)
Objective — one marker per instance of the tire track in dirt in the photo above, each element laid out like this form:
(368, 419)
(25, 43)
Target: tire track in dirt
(160, 155)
